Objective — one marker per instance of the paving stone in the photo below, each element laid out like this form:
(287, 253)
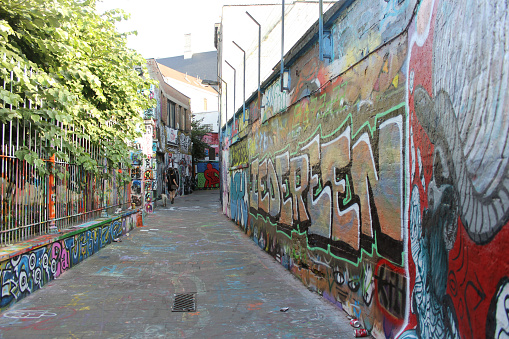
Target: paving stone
(127, 289)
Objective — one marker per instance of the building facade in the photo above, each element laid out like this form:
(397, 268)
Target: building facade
(166, 142)
(204, 106)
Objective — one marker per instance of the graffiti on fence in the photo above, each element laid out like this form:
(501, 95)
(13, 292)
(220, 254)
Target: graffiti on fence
(136, 176)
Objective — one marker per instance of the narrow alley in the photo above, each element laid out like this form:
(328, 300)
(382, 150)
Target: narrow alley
(127, 290)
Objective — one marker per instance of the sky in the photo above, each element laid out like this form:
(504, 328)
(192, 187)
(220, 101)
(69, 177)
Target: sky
(162, 24)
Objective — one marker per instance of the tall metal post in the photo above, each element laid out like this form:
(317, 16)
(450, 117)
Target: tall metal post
(320, 30)
(282, 45)
(244, 84)
(221, 188)
(259, 50)
(234, 89)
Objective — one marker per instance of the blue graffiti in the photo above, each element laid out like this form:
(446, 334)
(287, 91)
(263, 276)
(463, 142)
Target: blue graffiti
(25, 273)
(238, 203)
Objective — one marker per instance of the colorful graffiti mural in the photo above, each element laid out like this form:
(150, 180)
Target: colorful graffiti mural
(136, 179)
(380, 178)
(207, 175)
(274, 101)
(212, 139)
(24, 274)
(225, 179)
(459, 184)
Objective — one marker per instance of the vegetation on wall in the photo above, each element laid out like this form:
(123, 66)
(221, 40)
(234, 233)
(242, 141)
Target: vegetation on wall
(74, 79)
(198, 131)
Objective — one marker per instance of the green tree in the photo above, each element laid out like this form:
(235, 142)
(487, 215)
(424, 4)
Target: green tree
(198, 131)
(73, 76)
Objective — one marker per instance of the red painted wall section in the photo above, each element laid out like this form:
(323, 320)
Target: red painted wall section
(458, 176)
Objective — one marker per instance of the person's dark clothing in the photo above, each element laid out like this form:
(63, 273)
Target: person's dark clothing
(172, 175)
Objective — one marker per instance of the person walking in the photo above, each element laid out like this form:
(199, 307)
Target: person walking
(171, 181)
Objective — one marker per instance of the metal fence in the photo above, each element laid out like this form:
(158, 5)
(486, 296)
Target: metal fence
(33, 204)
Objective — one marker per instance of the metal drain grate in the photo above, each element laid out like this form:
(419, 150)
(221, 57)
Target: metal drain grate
(184, 302)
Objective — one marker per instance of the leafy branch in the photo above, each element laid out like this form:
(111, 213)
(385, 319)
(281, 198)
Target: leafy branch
(72, 76)
(198, 131)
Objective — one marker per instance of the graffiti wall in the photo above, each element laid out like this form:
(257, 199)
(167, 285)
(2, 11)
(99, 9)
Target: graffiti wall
(274, 100)
(178, 149)
(130, 221)
(380, 178)
(458, 170)
(23, 274)
(225, 179)
(212, 139)
(144, 173)
(136, 176)
(207, 175)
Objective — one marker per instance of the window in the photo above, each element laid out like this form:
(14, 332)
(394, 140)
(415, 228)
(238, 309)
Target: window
(184, 119)
(171, 114)
(205, 104)
(177, 117)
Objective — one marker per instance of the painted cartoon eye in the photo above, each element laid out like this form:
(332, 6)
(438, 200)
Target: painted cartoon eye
(32, 261)
(45, 261)
(38, 276)
(23, 281)
(339, 278)
(53, 266)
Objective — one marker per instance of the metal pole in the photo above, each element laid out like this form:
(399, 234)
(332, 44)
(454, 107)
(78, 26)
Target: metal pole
(320, 30)
(221, 136)
(244, 84)
(282, 44)
(226, 94)
(259, 49)
(234, 89)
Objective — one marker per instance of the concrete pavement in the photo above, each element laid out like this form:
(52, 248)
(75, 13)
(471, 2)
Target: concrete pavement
(127, 289)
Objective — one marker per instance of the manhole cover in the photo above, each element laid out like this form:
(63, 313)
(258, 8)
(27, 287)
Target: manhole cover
(184, 302)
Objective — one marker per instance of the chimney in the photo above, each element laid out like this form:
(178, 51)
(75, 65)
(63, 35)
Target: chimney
(188, 51)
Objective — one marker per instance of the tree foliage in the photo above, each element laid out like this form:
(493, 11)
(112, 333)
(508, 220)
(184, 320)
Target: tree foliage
(198, 131)
(72, 69)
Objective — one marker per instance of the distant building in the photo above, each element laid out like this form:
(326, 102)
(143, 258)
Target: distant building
(199, 65)
(204, 103)
(171, 126)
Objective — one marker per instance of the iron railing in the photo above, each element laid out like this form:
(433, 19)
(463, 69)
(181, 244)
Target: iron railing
(32, 204)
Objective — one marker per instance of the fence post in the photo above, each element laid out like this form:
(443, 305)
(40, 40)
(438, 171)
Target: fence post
(52, 197)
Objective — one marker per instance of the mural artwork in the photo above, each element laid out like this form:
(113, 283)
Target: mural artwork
(458, 168)
(207, 175)
(23, 274)
(381, 178)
